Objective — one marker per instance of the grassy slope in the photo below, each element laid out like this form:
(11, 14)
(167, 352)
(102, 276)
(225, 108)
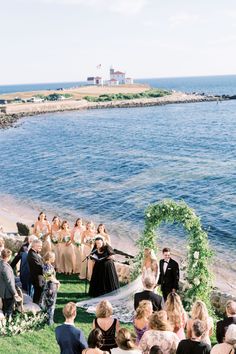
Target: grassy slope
(43, 341)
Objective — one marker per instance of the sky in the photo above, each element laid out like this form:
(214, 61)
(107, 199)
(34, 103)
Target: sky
(64, 40)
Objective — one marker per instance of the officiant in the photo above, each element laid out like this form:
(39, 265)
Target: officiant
(104, 277)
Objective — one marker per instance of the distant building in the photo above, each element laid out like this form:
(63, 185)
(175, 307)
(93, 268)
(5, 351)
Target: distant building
(35, 99)
(113, 82)
(95, 80)
(117, 75)
(129, 81)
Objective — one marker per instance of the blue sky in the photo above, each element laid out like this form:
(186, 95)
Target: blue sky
(64, 40)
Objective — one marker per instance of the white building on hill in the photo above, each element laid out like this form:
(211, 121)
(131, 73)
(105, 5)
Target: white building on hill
(95, 80)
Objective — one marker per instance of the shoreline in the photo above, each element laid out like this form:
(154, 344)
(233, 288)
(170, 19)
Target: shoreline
(12, 210)
(13, 112)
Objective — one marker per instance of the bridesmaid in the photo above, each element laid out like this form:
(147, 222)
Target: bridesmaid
(55, 228)
(76, 239)
(101, 231)
(87, 240)
(67, 249)
(42, 230)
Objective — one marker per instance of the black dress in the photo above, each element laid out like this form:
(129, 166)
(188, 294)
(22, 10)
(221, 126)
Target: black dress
(104, 277)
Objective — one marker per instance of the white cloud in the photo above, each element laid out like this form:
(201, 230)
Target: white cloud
(183, 18)
(123, 7)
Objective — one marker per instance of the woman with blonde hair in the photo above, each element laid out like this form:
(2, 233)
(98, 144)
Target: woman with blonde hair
(176, 314)
(149, 266)
(160, 333)
(56, 246)
(67, 257)
(42, 229)
(108, 325)
(126, 343)
(199, 312)
(76, 239)
(141, 319)
(51, 285)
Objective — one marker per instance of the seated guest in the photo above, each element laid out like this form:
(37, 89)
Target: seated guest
(229, 345)
(221, 326)
(51, 285)
(36, 269)
(155, 349)
(199, 312)
(104, 265)
(126, 343)
(195, 345)
(159, 333)
(148, 294)
(7, 283)
(109, 326)
(176, 314)
(95, 341)
(70, 339)
(141, 319)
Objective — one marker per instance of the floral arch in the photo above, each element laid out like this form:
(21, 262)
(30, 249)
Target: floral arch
(198, 276)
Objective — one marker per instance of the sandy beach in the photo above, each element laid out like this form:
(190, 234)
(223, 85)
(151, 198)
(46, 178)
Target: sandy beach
(12, 211)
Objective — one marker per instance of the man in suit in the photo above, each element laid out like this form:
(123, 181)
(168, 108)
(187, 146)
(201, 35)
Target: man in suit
(222, 326)
(70, 339)
(148, 294)
(36, 269)
(7, 283)
(169, 274)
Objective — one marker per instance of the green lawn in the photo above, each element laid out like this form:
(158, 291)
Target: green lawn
(43, 341)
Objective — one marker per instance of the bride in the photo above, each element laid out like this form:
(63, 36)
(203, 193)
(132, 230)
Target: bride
(123, 299)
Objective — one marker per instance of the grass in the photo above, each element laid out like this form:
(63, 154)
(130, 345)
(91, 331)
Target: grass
(43, 341)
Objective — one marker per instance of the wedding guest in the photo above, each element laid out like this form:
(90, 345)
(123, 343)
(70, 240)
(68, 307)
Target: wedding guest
(67, 249)
(87, 241)
(24, 266)
(42, 230)
(159, 333)
(195, 344)
(169, 274)
(229, 345)
(141, 319)
(126, 343)
(149, 266)
(101, 231)
(199, 312)
(76, 239)
(7, 283)
(108, 325)
(17, 257)
(95, 340)
(51, 284)
(70, 339)
(36, 269)
(221, 326)
(176, 314)
(148, 294)
(56, 247)
(104, 277)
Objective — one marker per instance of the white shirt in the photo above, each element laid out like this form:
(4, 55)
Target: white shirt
(122, 351)
(166, 263)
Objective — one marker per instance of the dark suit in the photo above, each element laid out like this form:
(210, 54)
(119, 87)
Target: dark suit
(17, 258)
(70, 339)
(36, 270)
(170, 279)
(156, 300)
(222, 326)
(7, 287)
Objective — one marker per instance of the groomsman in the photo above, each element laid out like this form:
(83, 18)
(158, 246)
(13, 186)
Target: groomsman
(169, 274)
(36, 269)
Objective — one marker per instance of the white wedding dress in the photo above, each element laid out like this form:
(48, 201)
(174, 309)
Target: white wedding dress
(122, 300)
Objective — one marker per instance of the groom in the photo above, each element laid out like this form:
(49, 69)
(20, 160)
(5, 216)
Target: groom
(169, 274)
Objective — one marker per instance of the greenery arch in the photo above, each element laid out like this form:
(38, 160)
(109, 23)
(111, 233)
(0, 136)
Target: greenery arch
(198, 282)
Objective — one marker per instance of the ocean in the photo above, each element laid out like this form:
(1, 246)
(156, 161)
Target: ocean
(109, 165)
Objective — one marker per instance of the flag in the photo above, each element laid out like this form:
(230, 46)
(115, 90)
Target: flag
(99, 66)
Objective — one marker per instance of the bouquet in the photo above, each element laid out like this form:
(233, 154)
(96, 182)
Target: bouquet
(66, 239)
(77, 244)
